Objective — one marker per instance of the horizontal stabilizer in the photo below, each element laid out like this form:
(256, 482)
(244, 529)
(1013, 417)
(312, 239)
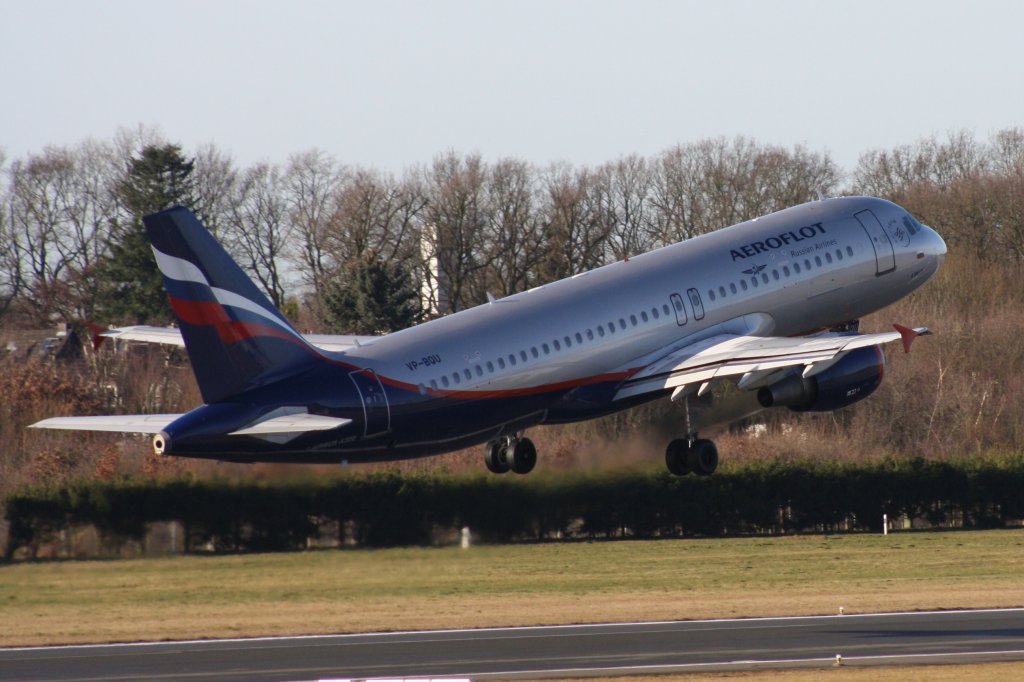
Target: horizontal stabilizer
(171, 336)
(125, 423)
(292, 423)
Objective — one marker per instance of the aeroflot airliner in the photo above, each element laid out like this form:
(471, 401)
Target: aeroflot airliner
(770, 304)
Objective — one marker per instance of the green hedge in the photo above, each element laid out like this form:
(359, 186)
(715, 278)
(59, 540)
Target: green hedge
(389, 509)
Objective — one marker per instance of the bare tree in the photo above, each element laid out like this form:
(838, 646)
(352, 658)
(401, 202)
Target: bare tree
(61, 209)
(456, 211)
(574, 231)
(514, 240)
(313, 182)
(215, 180)
(259, 232)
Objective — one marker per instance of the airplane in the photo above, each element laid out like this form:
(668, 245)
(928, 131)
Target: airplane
(771, 304)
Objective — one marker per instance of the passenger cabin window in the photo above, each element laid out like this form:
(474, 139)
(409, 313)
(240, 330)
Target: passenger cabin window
(632, 320)
(444, 380)
(490, 366)
(590, 335)
(579, 337)
(501, 363)
(849, 250)
(622, 323)
(522, 355)
(721, 291)
(568, 342)
(534, 353)
(643, 315)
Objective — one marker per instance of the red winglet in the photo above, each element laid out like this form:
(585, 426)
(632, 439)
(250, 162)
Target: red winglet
(907, 334)
(96, 330)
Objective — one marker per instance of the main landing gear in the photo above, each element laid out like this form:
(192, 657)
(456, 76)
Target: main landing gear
(697, 455)
(510, 453)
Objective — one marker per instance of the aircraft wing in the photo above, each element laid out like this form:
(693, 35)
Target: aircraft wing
(125, 423)
(753, 361)
(172, 337)
(279, 426)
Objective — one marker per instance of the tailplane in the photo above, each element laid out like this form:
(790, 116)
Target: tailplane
(236, 339)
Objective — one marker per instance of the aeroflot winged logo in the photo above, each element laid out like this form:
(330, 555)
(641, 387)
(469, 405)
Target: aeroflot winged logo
(778, 241)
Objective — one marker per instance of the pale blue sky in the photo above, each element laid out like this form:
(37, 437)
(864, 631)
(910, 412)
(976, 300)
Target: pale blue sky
(391, 84)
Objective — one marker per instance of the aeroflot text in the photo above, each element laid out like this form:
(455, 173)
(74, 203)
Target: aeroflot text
(791, 237)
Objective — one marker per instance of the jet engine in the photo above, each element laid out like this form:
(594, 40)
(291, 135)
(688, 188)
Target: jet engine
(853, 378)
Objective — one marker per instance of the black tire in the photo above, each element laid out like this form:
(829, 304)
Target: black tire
(494, 457)
(703, 457)
(521, 456)
(676, 457)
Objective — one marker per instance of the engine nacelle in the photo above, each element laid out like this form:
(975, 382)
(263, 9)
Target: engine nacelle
(853, 378)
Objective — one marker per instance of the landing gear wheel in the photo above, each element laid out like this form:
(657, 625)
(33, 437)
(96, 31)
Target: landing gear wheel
(703, 457)
(521, 455)
(676, 457)
(494, 456)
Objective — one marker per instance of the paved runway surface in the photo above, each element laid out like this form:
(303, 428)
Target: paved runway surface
(685, 646)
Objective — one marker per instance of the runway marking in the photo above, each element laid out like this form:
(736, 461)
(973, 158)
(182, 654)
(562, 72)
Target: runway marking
(829, 660)
(519, 628)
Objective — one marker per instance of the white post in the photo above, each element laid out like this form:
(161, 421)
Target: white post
(465, 537)
(885, 524)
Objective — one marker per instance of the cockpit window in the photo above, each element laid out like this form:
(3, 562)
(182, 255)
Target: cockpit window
(911, 224)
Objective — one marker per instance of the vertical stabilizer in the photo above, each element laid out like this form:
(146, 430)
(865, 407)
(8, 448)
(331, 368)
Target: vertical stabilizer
(234, 336)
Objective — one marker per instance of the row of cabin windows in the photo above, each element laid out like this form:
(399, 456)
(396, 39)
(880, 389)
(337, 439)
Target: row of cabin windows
(778, 273)
(512, 359)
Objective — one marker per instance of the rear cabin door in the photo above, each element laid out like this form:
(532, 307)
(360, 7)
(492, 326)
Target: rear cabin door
(375, 401)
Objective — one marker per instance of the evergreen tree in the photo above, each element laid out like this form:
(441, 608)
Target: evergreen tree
(131, 287)
(371, 296)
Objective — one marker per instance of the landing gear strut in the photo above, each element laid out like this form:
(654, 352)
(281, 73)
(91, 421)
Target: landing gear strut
(511, 453)
(698, 455)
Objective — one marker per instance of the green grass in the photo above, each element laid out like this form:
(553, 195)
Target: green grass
(363, 590)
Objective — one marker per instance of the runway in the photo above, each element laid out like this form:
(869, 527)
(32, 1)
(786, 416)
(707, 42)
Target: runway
(563, 651)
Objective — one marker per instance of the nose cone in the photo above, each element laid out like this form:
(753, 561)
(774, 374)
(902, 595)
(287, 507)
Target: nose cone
(932, 245)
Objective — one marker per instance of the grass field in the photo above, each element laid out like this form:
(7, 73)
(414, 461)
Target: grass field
(397, 589)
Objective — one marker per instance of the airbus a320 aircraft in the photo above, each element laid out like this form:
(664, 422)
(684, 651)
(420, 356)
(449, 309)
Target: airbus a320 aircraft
(768, 304)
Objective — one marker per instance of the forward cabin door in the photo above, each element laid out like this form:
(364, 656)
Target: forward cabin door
(885, 258)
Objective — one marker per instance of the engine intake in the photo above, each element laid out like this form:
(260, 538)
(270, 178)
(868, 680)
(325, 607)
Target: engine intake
(853, 378)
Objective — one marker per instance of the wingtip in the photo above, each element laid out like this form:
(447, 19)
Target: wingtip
(908, 335)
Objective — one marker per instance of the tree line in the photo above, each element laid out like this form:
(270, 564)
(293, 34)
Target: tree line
(349, 247)
(354, 249)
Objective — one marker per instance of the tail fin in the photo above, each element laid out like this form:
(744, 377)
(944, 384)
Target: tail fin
(234, 336)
